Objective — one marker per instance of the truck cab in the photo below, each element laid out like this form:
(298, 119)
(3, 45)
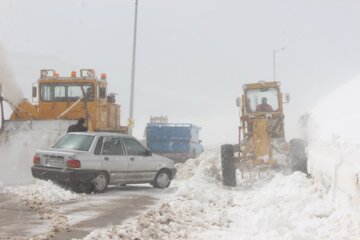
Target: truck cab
(70, 98)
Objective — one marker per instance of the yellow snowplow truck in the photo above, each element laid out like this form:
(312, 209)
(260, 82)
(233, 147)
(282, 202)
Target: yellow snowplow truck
(262, 143)
(61, 101)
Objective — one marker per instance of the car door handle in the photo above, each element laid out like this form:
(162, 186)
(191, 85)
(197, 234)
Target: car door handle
(106, 158)
(132, 159)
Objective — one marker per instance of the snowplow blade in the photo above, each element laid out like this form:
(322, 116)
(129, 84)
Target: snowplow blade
(53, 127)
(19, 125)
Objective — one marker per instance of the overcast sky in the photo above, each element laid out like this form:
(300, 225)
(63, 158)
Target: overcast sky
(193, 55)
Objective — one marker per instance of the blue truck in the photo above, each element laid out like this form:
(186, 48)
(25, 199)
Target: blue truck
(173, 140)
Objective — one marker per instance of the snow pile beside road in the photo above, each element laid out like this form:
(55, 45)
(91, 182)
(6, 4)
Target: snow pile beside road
(44, 197)
(289, 207)
(199, 204)
(286, 207)
(17, 150)
(333, 135)
(41, 191)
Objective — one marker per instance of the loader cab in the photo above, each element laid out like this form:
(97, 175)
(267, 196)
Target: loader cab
(262, 107)
(262, 98)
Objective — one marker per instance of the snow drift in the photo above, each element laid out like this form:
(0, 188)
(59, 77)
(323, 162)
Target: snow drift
(332, 131)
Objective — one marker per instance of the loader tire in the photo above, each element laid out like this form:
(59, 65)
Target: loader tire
(298, 156)
(228, 165)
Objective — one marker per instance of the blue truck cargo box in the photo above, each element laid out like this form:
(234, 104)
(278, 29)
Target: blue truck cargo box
(170, 131)
(176, 141)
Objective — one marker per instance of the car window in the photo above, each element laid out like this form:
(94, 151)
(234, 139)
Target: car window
(133, 147)
(74, 142)
(112, 146)
(99, 146)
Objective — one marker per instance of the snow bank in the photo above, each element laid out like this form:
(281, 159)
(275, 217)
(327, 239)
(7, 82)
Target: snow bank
(44, 197)
(17, 150)
(198, 204)
(331, 129)
(41, 191)
(286, 207)
(289, 207)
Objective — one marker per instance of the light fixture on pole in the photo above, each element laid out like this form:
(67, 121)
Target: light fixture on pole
(131, 113)
(274, 61)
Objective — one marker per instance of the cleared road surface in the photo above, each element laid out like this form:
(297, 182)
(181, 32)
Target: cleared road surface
(78, 217)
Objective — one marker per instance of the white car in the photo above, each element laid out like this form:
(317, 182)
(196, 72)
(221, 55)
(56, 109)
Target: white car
(92, 161)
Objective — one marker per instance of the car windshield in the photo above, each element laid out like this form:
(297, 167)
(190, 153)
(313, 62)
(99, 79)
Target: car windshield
(262, 100)
(74, 142)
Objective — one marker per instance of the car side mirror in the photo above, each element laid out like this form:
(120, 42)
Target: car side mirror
(148, 153)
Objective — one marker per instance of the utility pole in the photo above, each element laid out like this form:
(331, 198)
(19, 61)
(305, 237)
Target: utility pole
(131, 113)
(274, 61)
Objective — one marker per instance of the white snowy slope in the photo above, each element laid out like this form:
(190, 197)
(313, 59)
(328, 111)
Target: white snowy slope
(333, 136)
(286, 207)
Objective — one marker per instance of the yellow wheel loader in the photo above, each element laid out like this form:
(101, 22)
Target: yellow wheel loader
(262, 143)
(62, 100)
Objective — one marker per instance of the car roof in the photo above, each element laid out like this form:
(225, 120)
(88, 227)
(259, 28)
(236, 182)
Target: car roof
(100, 134)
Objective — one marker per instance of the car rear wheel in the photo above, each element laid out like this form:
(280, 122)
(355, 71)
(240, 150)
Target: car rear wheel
(162, 179)
(100, 182)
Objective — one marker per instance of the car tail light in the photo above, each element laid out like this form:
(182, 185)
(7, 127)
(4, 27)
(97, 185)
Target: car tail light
(36, 159)
(73, 163)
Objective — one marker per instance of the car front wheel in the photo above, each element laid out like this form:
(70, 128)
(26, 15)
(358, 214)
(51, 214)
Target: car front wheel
(162, 179)
(100, 182)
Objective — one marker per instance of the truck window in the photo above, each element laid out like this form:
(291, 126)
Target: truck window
(262, 100)
(134, 148)
(66, 92)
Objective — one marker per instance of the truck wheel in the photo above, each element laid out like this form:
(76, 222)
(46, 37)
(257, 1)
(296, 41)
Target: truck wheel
(228, 165)
(100, 182)
(162, 179)
(298, 156)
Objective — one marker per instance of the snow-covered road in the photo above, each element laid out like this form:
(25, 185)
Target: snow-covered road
(196, 206)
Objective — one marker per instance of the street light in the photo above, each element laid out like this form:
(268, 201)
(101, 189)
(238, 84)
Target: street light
(131, 113)
(274, 60)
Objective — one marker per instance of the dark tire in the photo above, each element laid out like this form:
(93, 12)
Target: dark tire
(162, 179)
(100, 182)
(80, 187)
(228, 165)
(298, 156)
